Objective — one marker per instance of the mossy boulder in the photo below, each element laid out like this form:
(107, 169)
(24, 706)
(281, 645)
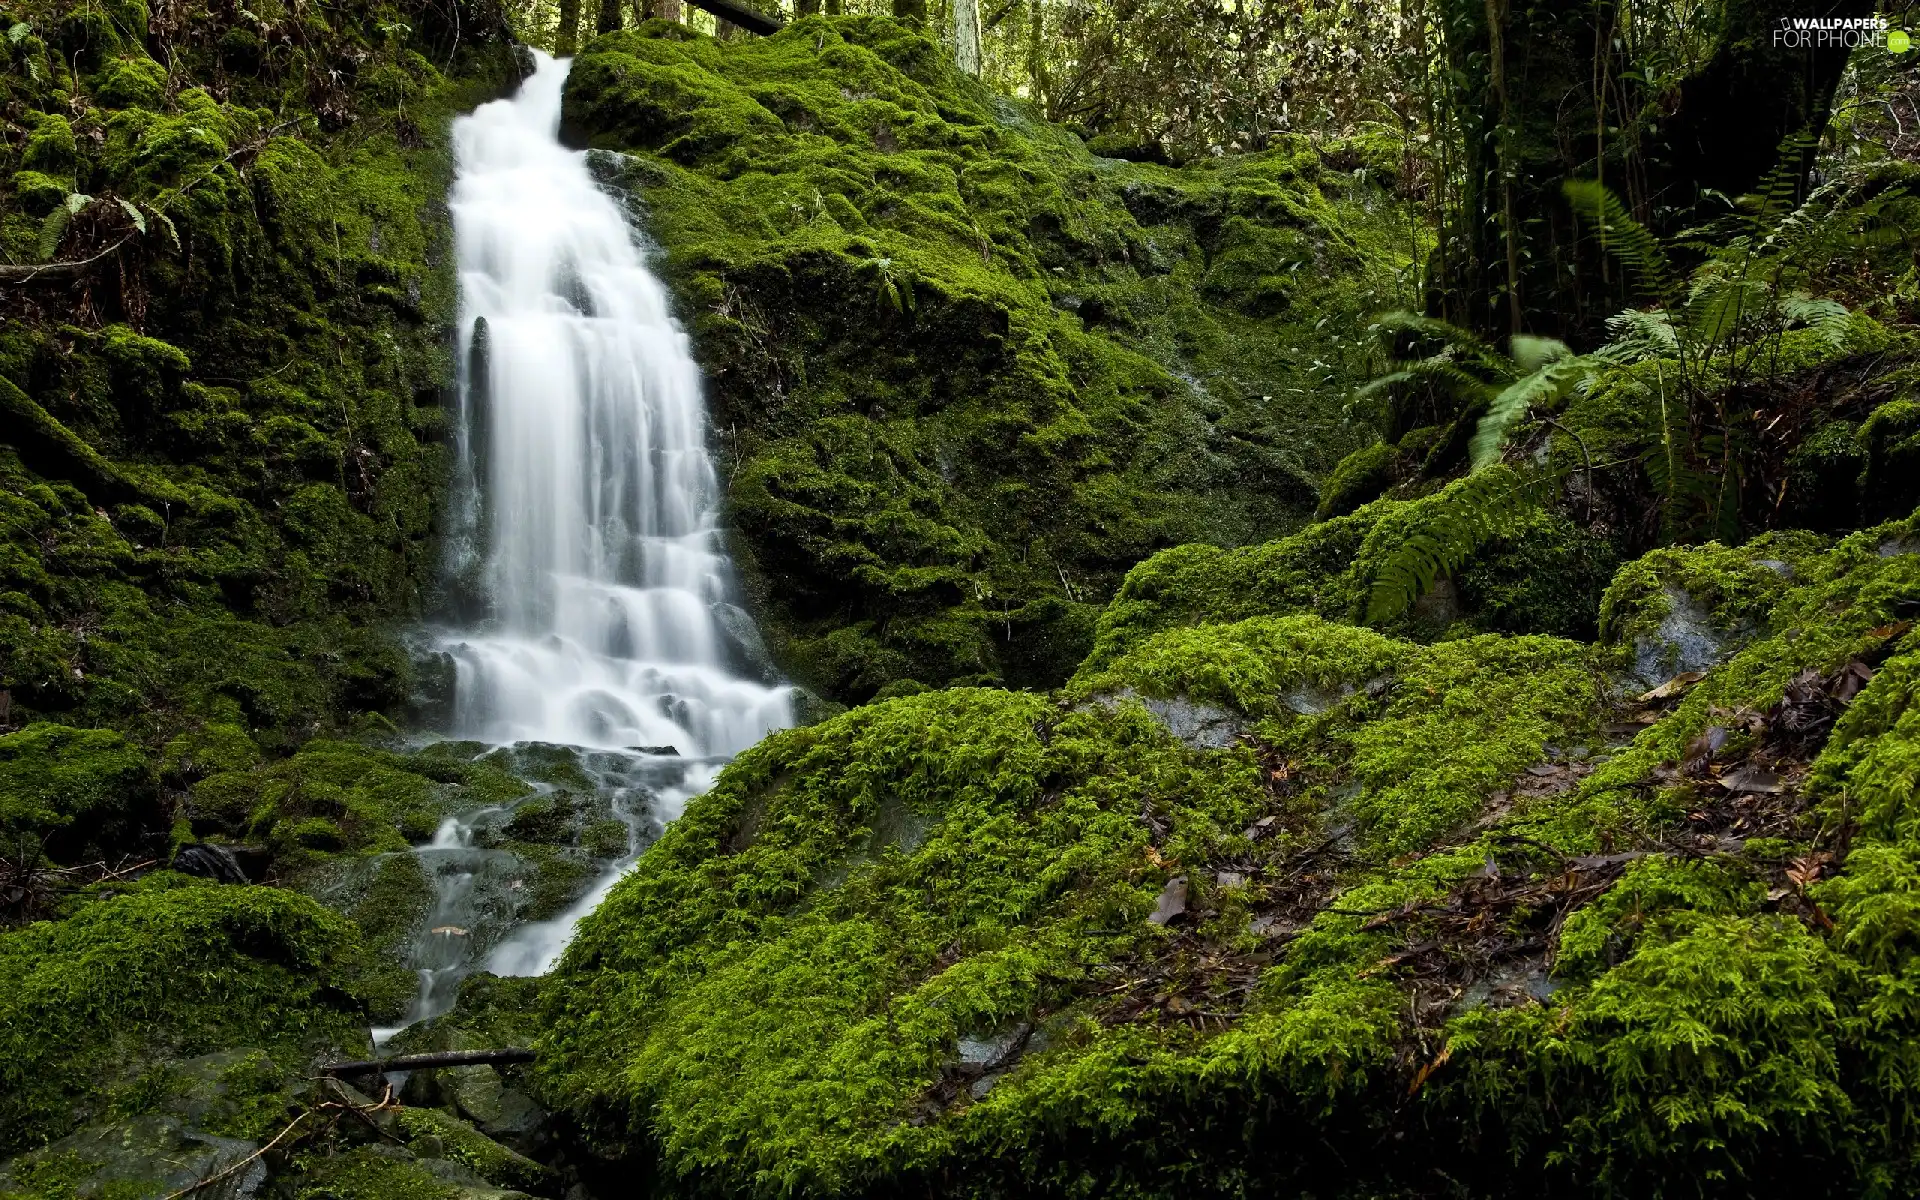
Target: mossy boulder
(965, 372)
(1346, 938)
(76, 793)
(338, 796)
(220, 477)
(88, 1002)
(1682, 609)
(1360, 477)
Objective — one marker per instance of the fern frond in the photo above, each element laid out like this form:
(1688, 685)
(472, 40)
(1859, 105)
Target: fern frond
(1546, 386)
(1716, 308)
(1431, 336)
(1828, 318)
(1532, 353)
(1638, 335)
(1775, 194)
(1626, 239)
(1443, 531)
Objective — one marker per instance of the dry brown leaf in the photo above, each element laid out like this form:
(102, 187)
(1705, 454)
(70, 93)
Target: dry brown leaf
(1426, 1070)
(1673, 687)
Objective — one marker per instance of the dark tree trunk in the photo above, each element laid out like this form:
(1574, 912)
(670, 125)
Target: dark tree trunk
(914, 12)
(566, 38)
(609, 17)
(1540, 89)
(806, 8)
(1525, 99)
(1726, 131)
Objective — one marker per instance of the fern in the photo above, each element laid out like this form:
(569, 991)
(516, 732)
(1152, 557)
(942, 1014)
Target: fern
(1626, 239)
(1446, 529)
(1537, 371)
(1828, 318)
(1638, 336)
(1546, 385)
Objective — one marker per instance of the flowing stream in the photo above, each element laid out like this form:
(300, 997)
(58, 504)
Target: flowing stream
(586, 533)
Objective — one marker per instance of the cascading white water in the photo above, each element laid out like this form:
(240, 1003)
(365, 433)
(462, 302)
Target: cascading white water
(585, 519)
(593, 497)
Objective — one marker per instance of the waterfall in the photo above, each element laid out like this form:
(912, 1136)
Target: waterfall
(592, 499)
(586, 535)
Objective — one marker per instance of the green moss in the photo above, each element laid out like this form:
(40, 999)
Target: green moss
(77, 793)
(1733, 588)
(967, 373)
(1360, 477)
(131, 81)
(337, 796)
(457, 1141)
(366, 1173)
(39, 194)
(1890, 438)
(51, 147)
(773, 1001)
(179, 971)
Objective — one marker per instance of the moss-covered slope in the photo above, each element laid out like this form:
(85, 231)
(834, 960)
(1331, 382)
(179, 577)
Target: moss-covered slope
(964, 373)
(220, 460)
(1288, 904)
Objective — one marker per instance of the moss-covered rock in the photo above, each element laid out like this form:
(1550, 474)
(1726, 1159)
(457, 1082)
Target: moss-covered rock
(74, 793)
(219, 474)
(964, 372)
(88, 1003)
(1292, 905)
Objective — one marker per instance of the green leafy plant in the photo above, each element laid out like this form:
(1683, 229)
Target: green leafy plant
(1504, 388)
(1720, 326)
(1437, 535)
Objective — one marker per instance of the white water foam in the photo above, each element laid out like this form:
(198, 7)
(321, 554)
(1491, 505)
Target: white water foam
(585, 522)
(592, 496)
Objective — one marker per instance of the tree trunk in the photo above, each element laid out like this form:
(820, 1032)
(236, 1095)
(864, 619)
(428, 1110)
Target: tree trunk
(609, 17)
(1542, 96)
(836, 8)
(566, 39)
(914, 12)
(669, 10)
(806, 8)
(1037, 57)
(966, 36)
(1731, 118)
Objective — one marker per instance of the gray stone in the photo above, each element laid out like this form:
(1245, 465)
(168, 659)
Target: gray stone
(1198, 726)
(1895, 547)
(153, 1154)
(746, 650)
(474, 1090)
(1686, 640)
(995, 1049)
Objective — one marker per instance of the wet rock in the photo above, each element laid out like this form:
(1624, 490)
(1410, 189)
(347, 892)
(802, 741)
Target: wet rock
(1198, 726)
(475, 1091)
(994, 1050)
(1894, 547)
(433, 1135)
(747, 651)
(210, 861)
(384, 1170)
(1685, 640)
(155, 1155)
